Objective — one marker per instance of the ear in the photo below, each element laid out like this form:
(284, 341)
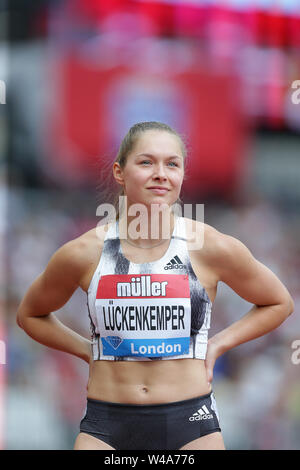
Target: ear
(118, 173)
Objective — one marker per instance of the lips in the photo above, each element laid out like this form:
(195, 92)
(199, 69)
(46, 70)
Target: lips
(158, 189)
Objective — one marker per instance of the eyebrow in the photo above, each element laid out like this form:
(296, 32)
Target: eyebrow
(150, 155)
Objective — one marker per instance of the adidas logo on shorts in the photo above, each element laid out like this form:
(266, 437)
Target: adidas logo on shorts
(202, 413)
(175, 263)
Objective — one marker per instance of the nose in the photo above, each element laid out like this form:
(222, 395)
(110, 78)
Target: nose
(159, 172)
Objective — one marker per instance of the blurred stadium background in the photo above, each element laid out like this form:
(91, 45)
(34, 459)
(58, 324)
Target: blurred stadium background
(78, 74)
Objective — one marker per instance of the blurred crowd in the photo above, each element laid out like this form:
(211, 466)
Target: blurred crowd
(257, 386)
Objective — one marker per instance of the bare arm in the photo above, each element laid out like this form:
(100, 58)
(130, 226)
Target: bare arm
(48, 293)
(257, 284)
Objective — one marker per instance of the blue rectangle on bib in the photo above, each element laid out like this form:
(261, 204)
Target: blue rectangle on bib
(156, 347)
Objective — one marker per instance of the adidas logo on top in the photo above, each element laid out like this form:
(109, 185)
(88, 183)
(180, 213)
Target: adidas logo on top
(202, 413)
(175, 263)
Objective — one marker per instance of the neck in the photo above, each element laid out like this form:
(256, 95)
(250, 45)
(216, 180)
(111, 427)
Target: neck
(147, 231)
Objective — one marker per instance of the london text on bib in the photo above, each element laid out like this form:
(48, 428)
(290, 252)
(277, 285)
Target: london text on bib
(144, 315)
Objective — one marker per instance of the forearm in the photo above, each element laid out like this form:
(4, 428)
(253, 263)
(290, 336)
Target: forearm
(259, 321)
(49, 331)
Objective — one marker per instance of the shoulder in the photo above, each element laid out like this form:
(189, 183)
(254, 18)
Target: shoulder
(78, 255)
(220, 251)
(202, 236)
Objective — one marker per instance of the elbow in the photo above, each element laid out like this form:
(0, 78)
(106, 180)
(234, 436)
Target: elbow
(292, 306)
(18, 321)
(289, 307)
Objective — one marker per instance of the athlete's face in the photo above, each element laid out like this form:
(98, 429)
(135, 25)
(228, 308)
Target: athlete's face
(154, 169)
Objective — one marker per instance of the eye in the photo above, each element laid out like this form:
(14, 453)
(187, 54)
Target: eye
(173, 163)
(145, 162)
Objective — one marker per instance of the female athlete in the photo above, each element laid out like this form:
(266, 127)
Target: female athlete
(150, 293)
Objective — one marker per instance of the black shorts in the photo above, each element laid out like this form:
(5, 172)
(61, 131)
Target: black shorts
(166, 426)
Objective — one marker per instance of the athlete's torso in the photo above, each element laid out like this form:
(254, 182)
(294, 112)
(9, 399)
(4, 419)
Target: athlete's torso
(144, 380)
